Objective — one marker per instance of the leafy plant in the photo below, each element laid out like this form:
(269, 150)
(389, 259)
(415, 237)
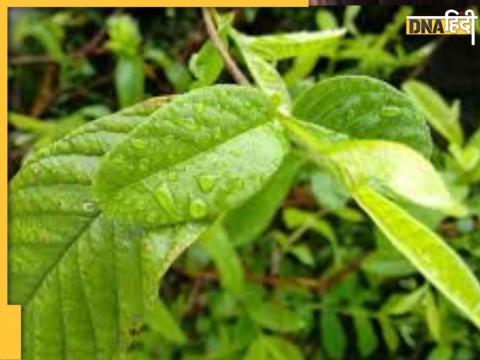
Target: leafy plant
(98, 215)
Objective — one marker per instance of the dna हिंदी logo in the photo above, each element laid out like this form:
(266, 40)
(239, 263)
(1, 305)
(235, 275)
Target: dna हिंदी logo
(452, 23)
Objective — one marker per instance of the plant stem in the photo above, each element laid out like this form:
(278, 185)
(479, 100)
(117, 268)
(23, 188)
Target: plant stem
(230, 64)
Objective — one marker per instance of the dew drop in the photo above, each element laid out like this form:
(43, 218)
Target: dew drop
(389, 111)
(36, 169)
(88, 207)
(206, 182)
(198, 209)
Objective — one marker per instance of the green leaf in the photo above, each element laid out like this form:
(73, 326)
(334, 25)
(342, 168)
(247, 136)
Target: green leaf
(400, 304)
(326, 20)
(249, 220)
(387, 264)
(389, 334)
(264, 73)
(333, 337)
(364, 108)
(273, 348)
(377, 162)
(175, 71)
(394, 166)
(220, 249)
(218, 147)
(444, 118)
(367, 341)
(290, 45)
(432, 316)
(285, 320)
(207, 63)
(129, 80)
(163, 322)
(281, 349)
(303, 253)
(427, 252)
(68, 262)
(129, 75)
(441, 352)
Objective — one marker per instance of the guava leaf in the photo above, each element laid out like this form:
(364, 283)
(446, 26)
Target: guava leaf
(394, 166)
(426, 251)
(264, 73)
(203, 153)
(290, 45)
(364, 108)
(388, 165)
(84, 281)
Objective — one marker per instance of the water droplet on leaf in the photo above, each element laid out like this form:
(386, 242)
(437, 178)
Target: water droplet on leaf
(389, 111)
(198, 209)
(88, 207)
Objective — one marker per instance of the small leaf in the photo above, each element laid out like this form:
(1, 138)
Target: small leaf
(400, 304)
(129, 75)
(207, 63)
(333, 337)
(432, 316)
(367, 341)
(444, 118)
(218, 245)
(175, 71)
(326, 20)
(389, 333)
(219, 146)
(303, 254)
(441, 352)
(427, 252)
(264, 73)
(285, 320)
(281, 349)
(129, 80)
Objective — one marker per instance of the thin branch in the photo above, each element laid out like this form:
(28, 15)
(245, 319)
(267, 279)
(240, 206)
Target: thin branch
(321, 285)
(230, 64)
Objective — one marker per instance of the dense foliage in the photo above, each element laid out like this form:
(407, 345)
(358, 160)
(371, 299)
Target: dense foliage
(302, 213)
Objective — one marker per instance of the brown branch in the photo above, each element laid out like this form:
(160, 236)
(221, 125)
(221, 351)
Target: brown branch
(321, 285)
(230, 64)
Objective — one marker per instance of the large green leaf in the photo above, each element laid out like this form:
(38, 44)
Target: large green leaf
(364, 108)
(427, 252)
(387, 165)
(203, 153)
(84, 281)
